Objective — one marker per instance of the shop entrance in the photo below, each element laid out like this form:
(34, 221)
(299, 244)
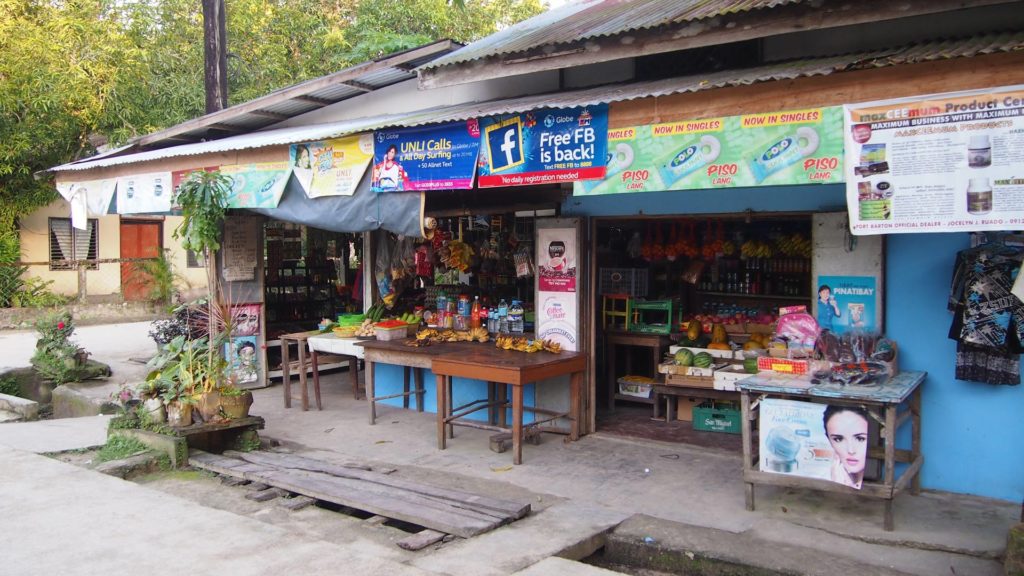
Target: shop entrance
(727, 274)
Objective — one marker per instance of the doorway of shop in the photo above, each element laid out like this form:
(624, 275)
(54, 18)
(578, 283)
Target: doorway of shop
(139, 239)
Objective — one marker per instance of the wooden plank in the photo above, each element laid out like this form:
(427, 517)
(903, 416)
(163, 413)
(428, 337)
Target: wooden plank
(265, 495)
(514, 509)
(331, 489)
(420, 540)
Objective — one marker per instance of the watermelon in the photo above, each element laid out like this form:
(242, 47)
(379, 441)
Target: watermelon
(703, 360)
(684, 357)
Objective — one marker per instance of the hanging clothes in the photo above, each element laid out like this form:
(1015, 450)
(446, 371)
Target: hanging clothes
(988, 320)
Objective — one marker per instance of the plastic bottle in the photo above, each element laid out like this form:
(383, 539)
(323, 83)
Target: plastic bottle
(503, 317)
(516, 320)
(442, 309)
(474, 312)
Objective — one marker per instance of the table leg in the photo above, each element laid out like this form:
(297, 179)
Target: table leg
(492, 412)
(450, 403)
(316, 377)
(610, 351)
(517, 424)
(405, 386)
(353, 368)
(285, 375)
(657, 406)
(890, 460)
(915, 436)
(370, 393)
(503, 407)
(418, 382)
(302, 376)
(442, 408)
(747, 444)
(575, 397)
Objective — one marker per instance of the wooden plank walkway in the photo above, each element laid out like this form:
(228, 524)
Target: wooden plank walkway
(442, 509)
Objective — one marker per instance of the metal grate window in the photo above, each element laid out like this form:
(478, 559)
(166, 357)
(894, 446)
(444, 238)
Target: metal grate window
(69, 243)
(194, 259)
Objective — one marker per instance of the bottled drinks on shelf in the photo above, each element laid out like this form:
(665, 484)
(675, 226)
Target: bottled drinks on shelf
(503, 317)
(474, 313)
(516, 318)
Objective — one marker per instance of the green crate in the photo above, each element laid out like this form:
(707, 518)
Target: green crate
(717, 417)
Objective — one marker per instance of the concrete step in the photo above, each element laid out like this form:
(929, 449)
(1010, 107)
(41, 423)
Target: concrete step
(8, 416)
(25, 409)
(563, 567)
(777, 548)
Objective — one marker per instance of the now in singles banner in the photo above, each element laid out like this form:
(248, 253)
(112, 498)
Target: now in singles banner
(544, 147)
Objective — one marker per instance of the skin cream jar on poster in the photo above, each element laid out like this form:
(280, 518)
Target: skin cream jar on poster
(979, 151)
(979, 196)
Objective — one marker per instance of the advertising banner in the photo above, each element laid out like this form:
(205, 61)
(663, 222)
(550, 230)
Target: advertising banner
(544, 147)
(941, 163)
(769, 149)
(257, 185)
(813, 440)
(557, 255)
(89, 198)
(144, 193)
(846, 303)
(243, 361)
(441, 157)
(332, 167)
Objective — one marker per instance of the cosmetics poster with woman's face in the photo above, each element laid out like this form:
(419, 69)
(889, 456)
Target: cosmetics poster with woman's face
(814, 441)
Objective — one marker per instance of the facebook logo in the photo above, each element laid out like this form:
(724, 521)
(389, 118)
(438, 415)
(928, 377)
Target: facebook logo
(505, 144)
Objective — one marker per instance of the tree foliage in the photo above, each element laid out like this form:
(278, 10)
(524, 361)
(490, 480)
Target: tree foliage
(75, 70)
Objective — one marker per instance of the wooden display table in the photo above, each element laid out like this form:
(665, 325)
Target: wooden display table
(882, 402)
(410, 358)
(657, 345)
(491, 364)
(344, 349)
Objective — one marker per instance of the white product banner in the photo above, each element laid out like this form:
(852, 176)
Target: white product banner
(96, 195)
(940, 163)
(144, 193)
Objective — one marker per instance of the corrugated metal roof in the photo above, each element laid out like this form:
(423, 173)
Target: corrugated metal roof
(595, 18)
(304, 97)
(939, 50)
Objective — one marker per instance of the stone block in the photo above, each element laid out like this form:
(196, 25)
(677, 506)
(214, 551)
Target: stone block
(175, 447)
(27, 409)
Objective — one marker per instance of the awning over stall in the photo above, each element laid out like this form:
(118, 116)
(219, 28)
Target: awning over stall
(363, 211)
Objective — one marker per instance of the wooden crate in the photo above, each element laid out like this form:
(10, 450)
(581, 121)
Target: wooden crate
(690, 381)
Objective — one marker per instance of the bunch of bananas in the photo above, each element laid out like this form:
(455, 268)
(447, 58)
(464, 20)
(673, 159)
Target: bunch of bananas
(728, 248)
(456, 255)
(756, 249)
(506, 342)
(794, 245)
(432, 335)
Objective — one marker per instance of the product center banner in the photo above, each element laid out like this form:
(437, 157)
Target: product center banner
(544, 147)
(769, 149)
(941, 163)
(441, 157)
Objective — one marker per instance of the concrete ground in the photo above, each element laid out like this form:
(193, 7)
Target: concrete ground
(578, 490)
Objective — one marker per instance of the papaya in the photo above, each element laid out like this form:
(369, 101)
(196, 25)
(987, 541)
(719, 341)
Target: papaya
(693, 330)
(718, 346)
(718, 334)
(753, 344)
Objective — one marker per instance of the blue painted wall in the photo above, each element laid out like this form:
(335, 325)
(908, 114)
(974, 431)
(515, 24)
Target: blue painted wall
(970, 431)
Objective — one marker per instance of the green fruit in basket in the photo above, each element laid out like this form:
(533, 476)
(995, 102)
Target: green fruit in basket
(703, 360)
(684, 357)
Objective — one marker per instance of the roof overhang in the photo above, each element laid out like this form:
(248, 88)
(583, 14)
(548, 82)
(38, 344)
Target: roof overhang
(515, 52)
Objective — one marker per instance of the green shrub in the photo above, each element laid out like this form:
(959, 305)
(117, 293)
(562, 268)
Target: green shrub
(118, 447)
(36, 293)
(10, 386)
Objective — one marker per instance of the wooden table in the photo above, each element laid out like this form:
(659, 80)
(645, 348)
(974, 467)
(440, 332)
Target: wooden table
(657, 344)
(882, 402)
(344, 348)
(517, 369)
(395, 352)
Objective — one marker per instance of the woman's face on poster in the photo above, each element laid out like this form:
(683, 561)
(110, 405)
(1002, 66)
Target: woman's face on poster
(848, 434)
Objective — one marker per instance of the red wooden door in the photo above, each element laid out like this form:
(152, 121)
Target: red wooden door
(139, 239)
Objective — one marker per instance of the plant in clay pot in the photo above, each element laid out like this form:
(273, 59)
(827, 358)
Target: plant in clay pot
(235, 402)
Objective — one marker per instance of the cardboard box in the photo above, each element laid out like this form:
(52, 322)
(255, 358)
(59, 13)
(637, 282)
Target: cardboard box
(726, 378)
(685, 406)
(689, 381)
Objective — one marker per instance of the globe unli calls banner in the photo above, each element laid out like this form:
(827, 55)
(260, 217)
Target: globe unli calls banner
(544, 147)
(940, 163)
(766, 149)
(439, 157)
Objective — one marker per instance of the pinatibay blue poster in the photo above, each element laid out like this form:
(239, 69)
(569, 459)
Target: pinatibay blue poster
(544, 147)
(846, 303)
(437, 157)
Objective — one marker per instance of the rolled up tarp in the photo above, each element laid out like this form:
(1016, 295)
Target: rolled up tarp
(364, 211)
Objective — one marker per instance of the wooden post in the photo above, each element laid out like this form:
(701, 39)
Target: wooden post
(747, 440)
(82, 287)
(215, 55)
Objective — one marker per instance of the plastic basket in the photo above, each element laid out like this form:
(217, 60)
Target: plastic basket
(717, 417)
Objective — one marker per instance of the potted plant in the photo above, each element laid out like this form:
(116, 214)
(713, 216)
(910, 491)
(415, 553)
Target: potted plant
(235, 402)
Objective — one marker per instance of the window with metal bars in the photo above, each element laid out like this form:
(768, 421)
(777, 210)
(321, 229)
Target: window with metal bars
(70, 243)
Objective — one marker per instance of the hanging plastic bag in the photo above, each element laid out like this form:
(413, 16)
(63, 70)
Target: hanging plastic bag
(524, 262)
